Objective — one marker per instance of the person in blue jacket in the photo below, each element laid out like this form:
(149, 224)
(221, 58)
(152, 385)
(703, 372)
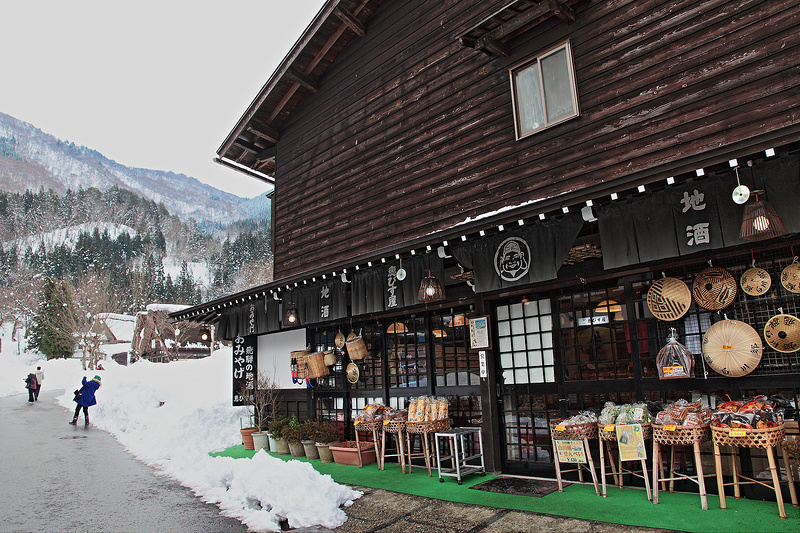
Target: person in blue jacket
(85, 398)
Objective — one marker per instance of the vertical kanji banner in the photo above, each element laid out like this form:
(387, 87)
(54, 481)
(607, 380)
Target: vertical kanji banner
(244, 367)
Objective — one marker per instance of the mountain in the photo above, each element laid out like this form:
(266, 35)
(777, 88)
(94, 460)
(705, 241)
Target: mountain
(32, 159)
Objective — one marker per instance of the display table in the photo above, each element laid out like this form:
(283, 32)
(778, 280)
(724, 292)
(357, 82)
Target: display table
(395, 429)
(578, 432)
(767, 439)
(672, 435)
(607, 435)
(424, 430)
(460, 460)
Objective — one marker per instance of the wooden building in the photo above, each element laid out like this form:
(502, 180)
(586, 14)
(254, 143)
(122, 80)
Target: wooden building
(539, 158)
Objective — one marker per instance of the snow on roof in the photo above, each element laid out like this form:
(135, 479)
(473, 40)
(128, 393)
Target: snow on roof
(120, 325)
(169, 308)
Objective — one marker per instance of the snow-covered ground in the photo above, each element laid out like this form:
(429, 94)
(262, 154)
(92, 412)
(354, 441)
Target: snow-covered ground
(170, 416)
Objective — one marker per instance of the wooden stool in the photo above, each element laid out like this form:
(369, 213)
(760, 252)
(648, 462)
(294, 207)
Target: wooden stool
(672, 435)
(607, 434)
(424, 430)
(766, 438)
(375, 428)
(396, 428)
(583, 432)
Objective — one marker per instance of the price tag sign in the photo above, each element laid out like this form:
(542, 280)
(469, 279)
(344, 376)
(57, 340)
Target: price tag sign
(385, 422)
(670, 427)
(738, 432)
(357, 422)
(561, 427)
(608, 427)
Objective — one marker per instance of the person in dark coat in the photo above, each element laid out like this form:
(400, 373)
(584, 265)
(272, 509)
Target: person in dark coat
(31, 384)
(85, 398)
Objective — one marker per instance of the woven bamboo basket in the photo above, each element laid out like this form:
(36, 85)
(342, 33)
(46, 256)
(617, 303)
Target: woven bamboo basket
(394, 426)
(356, 348)
(298, 358)
(372, 425)
(330, 357)
(574, 431)
(682, 435)
(753, 438)
(316, 365)
(647, 431)
(428, 427)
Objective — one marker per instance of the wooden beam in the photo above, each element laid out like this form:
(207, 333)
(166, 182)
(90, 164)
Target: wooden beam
(250, 147)
(266, 154)
(562, 11)
(262, 131)
(352, 22)
(493, 47)
(302, 79)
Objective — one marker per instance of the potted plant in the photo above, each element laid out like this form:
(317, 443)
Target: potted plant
(275, 428)
(309, 431)
(261, 399)
(346, 453)
(326, 435)
(293, 434)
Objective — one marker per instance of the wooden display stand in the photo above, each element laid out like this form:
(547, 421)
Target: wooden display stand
(673, 435)
(425, 430)
(752, 438)
(607, 435)
(396, 428)
(582, 432)
(375, 429)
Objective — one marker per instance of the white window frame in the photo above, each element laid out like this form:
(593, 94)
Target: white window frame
(537, 60)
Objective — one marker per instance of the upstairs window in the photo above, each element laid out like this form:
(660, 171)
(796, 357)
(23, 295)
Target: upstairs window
(543, 91)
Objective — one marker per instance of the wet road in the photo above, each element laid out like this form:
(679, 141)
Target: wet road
(58, 477)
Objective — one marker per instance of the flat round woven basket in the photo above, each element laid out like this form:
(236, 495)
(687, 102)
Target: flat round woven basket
(782, 332)
(427, 427)
(755, 281)
(790, 278)
(682, 435)
(669, 298)
(714, 288)
(753, 438)
(371, 425)
(732, 348)
(611, 434)
(573, 431)
(394, 426)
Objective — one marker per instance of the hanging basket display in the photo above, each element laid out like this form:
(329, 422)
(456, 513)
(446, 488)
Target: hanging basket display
(782, 332)
(714, 288)
(732, 348)
(352, 372)
(669, 299)
(790, 278)
(755, 281)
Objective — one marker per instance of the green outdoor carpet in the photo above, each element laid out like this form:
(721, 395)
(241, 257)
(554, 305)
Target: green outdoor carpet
(678, 511)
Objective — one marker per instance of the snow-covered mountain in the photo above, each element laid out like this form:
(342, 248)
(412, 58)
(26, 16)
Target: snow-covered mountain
(32, 159)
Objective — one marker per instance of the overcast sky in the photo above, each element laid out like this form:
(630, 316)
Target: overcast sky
(149, 84)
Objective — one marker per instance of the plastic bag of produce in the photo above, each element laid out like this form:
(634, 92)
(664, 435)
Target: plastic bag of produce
(674, 360)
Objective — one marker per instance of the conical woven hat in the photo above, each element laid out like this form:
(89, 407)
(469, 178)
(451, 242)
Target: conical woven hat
(755, 281)
(352, 372)
(782, 332)
(790, 277)
(669, 298)
(732, 348)
(714, 288)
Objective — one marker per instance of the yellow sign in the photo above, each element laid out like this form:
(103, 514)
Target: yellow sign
(670, 427)
(570, 451)
(630, 440)
(561, 427)
(608, 427)
(737, 432)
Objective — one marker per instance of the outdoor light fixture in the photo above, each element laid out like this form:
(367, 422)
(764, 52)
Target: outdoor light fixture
(291, 317)
(430, 290)
(760, 221)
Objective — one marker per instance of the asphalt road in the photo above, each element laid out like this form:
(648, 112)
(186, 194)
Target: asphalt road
(58, 477)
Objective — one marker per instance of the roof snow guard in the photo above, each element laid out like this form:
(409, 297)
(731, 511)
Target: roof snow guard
(250, 146)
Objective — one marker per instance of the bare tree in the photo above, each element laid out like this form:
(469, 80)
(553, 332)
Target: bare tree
(262, 399)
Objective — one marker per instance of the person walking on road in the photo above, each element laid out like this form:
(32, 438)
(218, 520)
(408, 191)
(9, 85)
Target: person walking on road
(85, 398)
(39, 379)
(31, 384)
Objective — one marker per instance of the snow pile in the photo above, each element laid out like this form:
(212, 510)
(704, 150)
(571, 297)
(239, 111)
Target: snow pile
(171, 415)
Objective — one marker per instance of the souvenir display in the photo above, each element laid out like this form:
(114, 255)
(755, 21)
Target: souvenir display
(732, 348)
(669, 298)
(683, 413)
(755, 281)
(790, 277)
(674, 360)
(782, 332)
(757, 413)
(629, 413)
(714, 288)
(339, 340)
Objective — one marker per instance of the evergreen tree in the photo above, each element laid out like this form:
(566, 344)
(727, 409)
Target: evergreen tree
(50, 333)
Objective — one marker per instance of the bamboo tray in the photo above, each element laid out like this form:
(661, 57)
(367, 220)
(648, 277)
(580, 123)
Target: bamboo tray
(573, 431)
(682, 435)
(753, 438)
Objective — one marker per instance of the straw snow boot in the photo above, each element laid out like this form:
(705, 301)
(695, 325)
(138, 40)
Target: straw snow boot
(74, 421)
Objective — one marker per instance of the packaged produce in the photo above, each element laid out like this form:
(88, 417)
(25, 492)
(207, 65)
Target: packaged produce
(674, 360)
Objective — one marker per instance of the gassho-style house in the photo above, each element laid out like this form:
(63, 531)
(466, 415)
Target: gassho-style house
(484, 192)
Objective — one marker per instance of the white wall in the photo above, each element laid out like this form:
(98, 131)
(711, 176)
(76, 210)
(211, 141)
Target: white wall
(273, 355)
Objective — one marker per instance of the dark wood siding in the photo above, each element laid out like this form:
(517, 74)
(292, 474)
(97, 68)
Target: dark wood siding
(411, 133)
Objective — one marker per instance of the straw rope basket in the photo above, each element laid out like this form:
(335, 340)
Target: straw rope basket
(394, 426)
(298, 358)
(427, 427)
(330, 357)
(682, 435)
(316, 365)
(356, 348)
(611, 435)
(753, 438)
(574, 431)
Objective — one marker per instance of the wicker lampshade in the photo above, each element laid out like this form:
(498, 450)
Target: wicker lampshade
(760, 221)
(430, 290)
(291, 318)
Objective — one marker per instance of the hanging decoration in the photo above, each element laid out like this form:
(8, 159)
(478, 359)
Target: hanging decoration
(430, 290)
(790, 277)
(782, 332)
(675, 360)
(669, 299)
(714, 288)
(755, 281)
(732, 348)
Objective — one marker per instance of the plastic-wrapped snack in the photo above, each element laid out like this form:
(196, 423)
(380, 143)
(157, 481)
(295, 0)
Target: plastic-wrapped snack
(663, 418)
(640, 414)
(443, 411)
(609, 413)
(429, 411)
(694, 407)
(705, 415)
(679, 413)
(422, 401)
(412, 410)
(692, 419)
(674, 360)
